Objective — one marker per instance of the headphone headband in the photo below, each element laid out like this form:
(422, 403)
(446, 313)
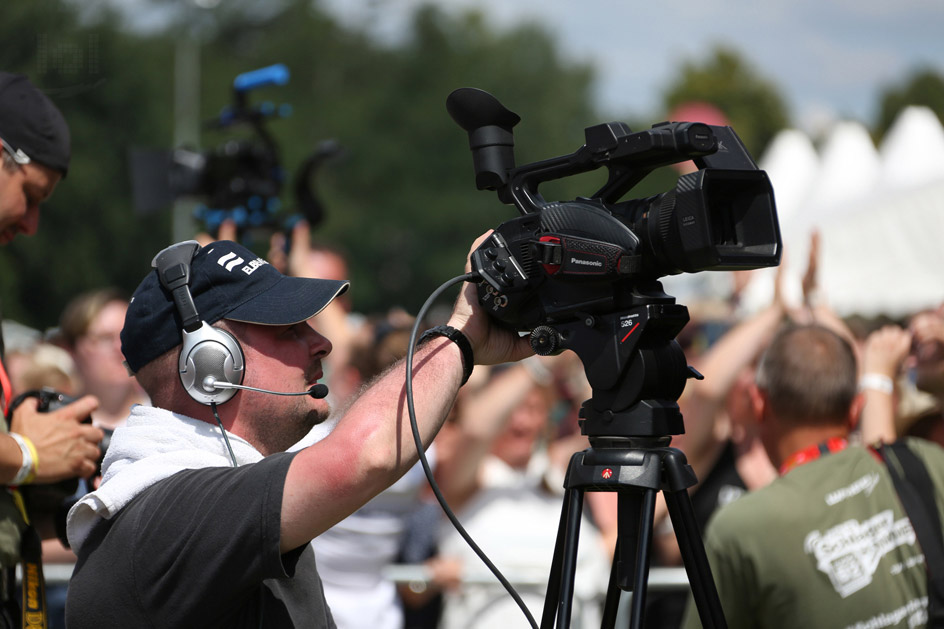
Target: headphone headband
(205, 351)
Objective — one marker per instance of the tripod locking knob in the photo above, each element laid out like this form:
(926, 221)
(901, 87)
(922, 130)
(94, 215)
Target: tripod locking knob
(545, 341)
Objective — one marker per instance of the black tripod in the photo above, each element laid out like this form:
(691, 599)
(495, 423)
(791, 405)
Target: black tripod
(636, 472)
(630, 455)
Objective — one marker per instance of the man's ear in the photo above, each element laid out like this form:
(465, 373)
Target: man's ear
(855, 411)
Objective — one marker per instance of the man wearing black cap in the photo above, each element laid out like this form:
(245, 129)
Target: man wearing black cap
(202, 519)
(41, 447)
(36, 154)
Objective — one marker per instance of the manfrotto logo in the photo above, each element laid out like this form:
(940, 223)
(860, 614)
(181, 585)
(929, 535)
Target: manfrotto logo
(586, 262)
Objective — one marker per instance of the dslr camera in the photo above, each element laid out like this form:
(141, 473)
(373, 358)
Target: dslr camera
(583, 274)
(49, 504)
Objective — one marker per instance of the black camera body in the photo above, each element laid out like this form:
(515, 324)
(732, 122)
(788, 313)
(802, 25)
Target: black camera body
(49, 504)
(50, 400)
(583, 274)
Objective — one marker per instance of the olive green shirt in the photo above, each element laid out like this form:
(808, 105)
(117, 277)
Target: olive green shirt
(827, 544)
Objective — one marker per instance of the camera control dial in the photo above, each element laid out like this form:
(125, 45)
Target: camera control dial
(545, 341)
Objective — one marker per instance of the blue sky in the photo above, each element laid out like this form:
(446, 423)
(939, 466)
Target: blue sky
(830, 58)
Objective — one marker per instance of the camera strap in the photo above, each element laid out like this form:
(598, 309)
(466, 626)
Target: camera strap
(916, 492)
(35, 613)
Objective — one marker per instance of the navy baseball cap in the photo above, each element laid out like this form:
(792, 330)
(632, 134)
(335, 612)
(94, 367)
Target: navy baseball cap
(227, 281)
(31, 123)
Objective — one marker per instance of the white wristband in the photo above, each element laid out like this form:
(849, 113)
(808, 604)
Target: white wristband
(876, 382)
(27, 465)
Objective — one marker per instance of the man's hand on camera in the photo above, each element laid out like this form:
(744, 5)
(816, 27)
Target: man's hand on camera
(491, 343)
(66, 447)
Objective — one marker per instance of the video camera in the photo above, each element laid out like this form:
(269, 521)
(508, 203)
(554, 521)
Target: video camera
(583, 274)
(240, 179)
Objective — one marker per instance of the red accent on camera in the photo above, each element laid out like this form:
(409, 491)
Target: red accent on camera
(551, 269)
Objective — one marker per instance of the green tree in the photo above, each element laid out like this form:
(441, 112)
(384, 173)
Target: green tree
(401, 200)
(752, 104)
(111, 87)
(923, 87)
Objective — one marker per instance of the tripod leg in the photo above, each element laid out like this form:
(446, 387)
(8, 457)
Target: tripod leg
(628, 519)
(552, 595)
(574, 512)
(641, 565)
(693, 554)
(560, 585)
(613, 592)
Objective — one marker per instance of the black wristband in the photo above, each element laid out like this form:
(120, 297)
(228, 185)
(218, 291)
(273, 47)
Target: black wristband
(459, 339)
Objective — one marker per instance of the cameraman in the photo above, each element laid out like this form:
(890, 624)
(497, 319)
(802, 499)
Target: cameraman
(186, 530)
(41, 447)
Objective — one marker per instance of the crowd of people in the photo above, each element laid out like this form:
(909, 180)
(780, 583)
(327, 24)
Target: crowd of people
(221, 506)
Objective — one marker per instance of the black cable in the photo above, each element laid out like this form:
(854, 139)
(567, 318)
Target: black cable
(223, 430)
(233, 457)
(468, 277)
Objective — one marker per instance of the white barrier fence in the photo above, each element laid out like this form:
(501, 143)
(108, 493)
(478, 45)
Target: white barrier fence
(660, 579)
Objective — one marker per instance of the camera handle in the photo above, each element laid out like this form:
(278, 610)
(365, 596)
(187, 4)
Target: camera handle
(636, 469)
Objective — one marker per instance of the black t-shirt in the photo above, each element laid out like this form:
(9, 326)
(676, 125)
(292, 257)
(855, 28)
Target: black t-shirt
(722, 484)
(199, 549)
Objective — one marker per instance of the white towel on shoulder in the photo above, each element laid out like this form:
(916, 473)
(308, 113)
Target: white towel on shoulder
(153, 445)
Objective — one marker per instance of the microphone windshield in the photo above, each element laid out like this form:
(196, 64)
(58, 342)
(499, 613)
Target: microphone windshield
(318, 391)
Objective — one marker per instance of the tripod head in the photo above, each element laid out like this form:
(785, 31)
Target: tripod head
(635, 367)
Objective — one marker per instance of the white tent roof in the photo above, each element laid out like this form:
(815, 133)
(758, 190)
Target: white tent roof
(879, 212)
(791, 163)
(912, 153)
(848, 173)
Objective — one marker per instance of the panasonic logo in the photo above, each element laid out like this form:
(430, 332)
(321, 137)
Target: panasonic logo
(586, 262)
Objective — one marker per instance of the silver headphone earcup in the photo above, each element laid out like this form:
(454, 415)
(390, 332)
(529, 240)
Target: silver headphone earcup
(210, 353)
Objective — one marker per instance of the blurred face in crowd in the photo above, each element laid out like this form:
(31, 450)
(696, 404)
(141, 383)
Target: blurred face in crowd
(528, 424)
(928, 351)
(98, 351)
(22, 189)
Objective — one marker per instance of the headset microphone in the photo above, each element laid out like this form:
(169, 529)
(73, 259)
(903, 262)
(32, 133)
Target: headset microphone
(317, 391)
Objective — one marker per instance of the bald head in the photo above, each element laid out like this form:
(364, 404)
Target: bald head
(808, 375)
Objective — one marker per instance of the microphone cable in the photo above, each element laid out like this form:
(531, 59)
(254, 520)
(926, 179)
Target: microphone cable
(225, 436)
(468, 277)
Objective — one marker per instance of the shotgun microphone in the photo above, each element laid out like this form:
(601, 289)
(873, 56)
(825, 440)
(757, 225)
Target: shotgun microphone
(317, 391)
